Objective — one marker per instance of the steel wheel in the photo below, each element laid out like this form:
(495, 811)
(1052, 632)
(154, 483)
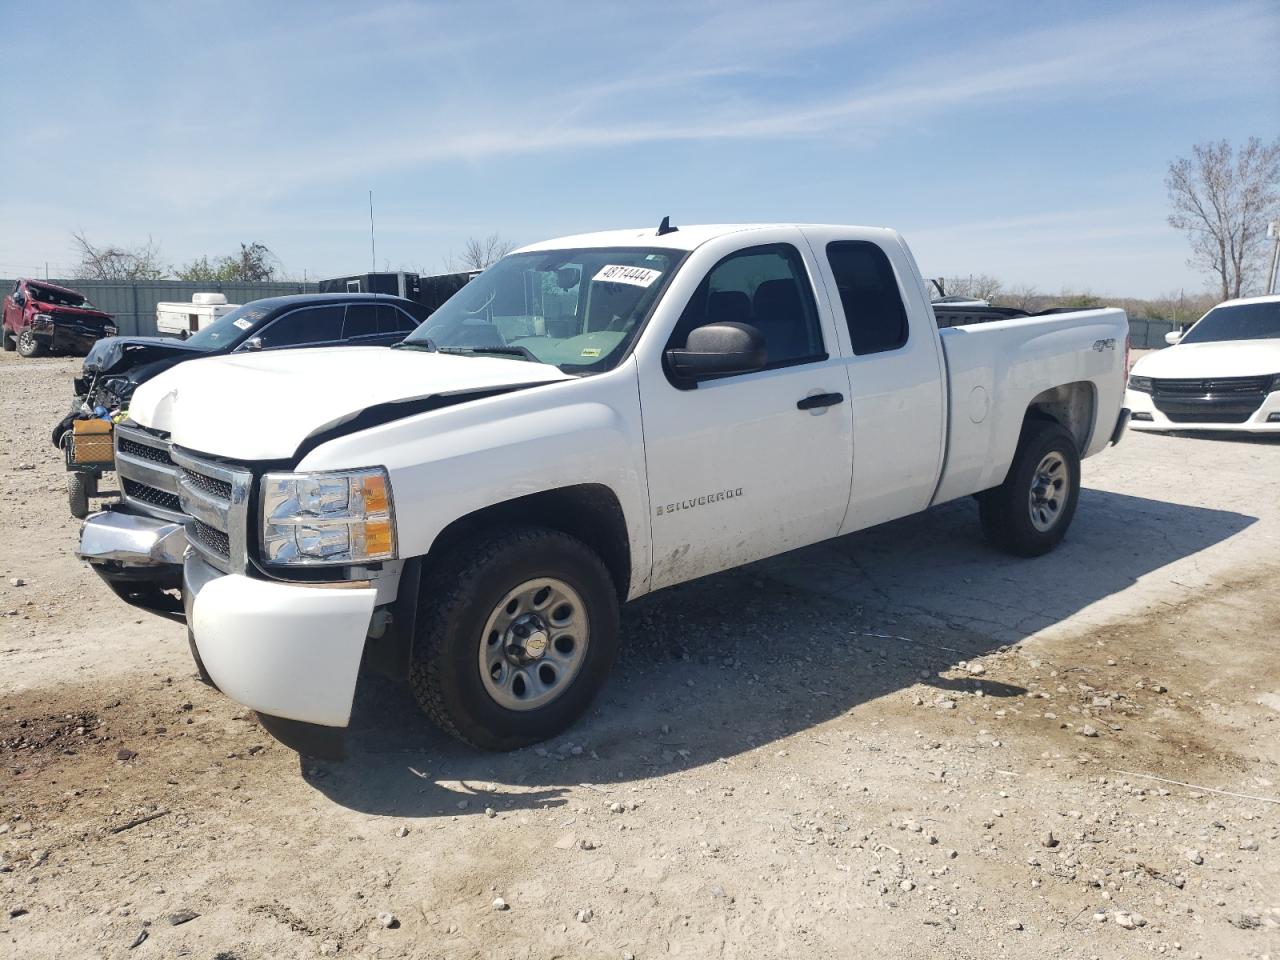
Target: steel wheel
(533, 644)
(1050, 487)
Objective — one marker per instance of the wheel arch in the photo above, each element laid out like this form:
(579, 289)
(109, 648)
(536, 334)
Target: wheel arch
(1072, 405)
(590, 512)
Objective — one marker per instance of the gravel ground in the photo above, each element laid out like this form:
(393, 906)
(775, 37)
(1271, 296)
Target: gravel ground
(896, 744)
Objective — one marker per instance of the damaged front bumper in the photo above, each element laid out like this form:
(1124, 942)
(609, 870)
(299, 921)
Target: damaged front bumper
(129, 550)
(289, 651)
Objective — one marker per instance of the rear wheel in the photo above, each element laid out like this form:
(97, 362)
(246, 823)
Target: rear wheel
(28, 345)
(517, 641)
(1030, 512)
(9, 345)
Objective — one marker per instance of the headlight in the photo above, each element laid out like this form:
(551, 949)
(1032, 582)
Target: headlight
(109, 330)
(1275, 384)
(327, 518)
(41, 320)
(1142, 384)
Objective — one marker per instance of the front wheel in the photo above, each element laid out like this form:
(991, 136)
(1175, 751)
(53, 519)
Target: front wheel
(515, 637)
(1030, 512)
(28, 345)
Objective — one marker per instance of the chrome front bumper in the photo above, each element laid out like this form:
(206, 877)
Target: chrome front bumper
(118, 540)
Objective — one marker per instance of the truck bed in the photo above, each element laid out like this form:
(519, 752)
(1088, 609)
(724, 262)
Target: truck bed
(1069, 362)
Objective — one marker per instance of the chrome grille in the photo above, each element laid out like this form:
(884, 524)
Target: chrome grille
(207, 537)
(215, 497)
(148, 477)
(133, 448)
(133, 490)
(210, 485)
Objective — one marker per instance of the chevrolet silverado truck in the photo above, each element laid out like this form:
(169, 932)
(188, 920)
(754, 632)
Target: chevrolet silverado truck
(590, 420)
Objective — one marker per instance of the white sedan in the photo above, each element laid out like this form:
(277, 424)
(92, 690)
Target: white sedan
(1222, 374)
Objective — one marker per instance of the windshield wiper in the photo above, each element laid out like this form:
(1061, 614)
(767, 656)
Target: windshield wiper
(424, 344)
(523, 353)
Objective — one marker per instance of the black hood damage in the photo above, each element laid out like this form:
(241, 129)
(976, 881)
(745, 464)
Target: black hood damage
(119, 354)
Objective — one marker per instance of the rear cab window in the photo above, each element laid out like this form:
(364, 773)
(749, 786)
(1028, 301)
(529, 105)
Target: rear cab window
(869, 296)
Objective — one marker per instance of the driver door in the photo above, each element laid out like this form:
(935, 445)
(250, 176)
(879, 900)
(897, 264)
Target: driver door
(750, 465)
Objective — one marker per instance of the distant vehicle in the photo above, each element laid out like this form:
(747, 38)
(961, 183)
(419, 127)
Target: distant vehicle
(1222, 374)
(428, 291)
(181, 320)
(115, 367)
(40, 317)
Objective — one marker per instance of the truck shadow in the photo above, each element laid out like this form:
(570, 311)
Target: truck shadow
(715, 668)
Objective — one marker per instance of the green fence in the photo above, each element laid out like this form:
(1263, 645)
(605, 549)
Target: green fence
(133, 303)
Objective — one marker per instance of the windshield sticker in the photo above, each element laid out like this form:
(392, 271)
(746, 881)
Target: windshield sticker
(242, 323)
(636, 276)
(591, 352)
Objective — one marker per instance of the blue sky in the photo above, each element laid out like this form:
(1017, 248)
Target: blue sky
(1028, 141)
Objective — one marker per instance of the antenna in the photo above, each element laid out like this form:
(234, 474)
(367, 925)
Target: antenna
(373, 248)
(665, 227)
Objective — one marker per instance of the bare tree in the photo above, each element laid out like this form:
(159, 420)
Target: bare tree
(1223, 199)
(978, 286)
(118, 263)
(1023, 296)
(479, 253)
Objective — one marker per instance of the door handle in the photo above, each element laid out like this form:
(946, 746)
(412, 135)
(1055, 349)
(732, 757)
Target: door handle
(820, 400)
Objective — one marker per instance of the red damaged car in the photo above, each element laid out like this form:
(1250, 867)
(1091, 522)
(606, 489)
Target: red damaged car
(40, 317)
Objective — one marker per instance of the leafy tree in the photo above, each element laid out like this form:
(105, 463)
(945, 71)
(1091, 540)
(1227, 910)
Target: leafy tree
(254, 261)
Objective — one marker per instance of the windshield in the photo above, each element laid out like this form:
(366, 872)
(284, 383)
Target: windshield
(1244, 321)
(578, 310)
(228, 328)
(57, 297)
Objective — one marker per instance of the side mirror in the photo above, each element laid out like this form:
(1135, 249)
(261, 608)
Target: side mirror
(717, 349)
(1172, 337)
(253, 343)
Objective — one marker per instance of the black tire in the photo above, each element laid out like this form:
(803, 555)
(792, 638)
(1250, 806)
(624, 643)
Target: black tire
(469, 586)
(78, 491)
(1012, 519)
(29, 346)
(9, 344)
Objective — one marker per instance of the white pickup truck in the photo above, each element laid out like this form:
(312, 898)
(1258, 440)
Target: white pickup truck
(591, 419)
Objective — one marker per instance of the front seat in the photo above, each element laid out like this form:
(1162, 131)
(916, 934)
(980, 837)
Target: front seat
(778, 314)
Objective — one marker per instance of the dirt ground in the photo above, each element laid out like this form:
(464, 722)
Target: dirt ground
(896, 744)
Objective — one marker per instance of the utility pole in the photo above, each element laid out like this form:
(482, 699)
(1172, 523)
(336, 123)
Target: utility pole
(1273, 234)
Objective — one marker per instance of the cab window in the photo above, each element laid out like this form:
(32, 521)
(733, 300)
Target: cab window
(869, 296)
(305, 326)
(768, 288)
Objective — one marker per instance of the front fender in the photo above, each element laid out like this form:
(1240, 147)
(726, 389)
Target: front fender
(449, 463)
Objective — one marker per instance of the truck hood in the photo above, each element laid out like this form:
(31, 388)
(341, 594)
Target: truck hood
(264, 406)
(1233, 358)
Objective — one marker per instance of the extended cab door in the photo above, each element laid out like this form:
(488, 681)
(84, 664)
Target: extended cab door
(897, 380)
(747, 466)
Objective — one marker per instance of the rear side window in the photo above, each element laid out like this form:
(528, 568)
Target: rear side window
(305, 326)
(393, 320)
(869, 295)
(768, 288)
(362, 321)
